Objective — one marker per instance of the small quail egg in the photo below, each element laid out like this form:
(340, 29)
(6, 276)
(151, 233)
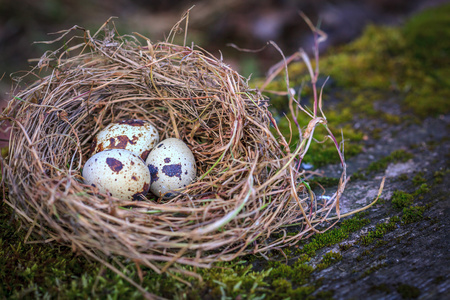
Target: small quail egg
(120, 172)
(135, 135)
(172, 167)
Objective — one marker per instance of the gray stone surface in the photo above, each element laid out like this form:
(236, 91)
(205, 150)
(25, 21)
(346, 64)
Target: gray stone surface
(413, 256)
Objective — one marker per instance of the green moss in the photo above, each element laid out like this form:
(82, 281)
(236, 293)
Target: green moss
(299, 293)
(287, 251)
(301, 272)
(282, 289)
(414, 59)
(400, 156)
(231, 280)
(345, 246)
(39, 270)
(428, 101)
(381, 202)
(392, 119)
(373, 269)
(408, 291)
(298, 274)
(328, 259)
(379, 231)
(359, 175)
(357, 65)
(281, 285)
(380, 243)
(428, 37)
(57, 272)
(35, 268)
(417, 73)
(423, 189)
(419, 179)
(376, 133)
(395, 157)
(422, 33)
(403, 177)
(320, 154)
(439, 176)
(414, 63)
(333, 236)
(412, 214)
(280, 270)
(322, 295)
(284, 276)
(400, 199)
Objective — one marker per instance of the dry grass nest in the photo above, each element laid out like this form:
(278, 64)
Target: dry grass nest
(248, 185)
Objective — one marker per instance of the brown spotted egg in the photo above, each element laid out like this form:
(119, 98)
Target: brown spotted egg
(172, 167)
(135, 135)
(119, 172)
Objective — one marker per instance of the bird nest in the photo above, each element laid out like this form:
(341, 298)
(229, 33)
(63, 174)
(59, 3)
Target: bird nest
(248, 186)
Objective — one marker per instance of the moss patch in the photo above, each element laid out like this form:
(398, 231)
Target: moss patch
(423, 189)
(328, 259)
(407, 291)
(400, 199)
(427, 37)
(38, 270)
(333, 236)
(439, 176)
(414, 59)
(373, 269)
(419, 179)
(380, 230)
(26, 268)
(395, 157)
(410, 60)
(412, 214)
(323, 152)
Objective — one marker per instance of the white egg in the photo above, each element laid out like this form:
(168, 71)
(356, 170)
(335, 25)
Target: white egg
(172, 167)
(135, 135)
(119, 172)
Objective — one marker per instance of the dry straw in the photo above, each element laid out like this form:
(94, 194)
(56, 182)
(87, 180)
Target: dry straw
(249, 184)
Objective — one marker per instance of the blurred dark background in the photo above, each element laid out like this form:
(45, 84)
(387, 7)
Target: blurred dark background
(212, 25)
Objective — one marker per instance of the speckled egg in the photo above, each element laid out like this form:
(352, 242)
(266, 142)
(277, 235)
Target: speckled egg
(172, 167)
(137, 136)
(119, 172)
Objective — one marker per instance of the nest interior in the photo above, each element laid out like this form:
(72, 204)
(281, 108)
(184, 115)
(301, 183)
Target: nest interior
(247, 185)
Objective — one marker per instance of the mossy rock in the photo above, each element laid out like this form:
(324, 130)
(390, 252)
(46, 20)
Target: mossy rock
(410, 61)
(427, 37)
